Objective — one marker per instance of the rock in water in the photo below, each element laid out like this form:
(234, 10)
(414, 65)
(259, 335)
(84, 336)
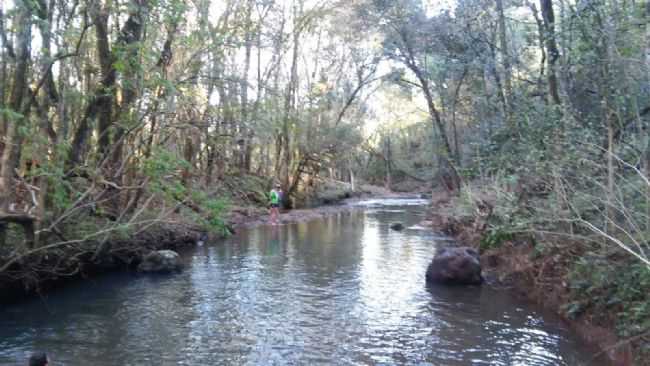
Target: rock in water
(160, 261)
(455, 266)
(398, 226)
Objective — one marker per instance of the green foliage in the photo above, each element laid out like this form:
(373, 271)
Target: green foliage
(123, 232)
(61, 192)
(256, 187)
(15, 238)
(469, 173)
(10, 114)
(607, 286)
(163, 168)
(173, 11)
(215, 209)
(494, 239)
(574, 309)
(198, 97)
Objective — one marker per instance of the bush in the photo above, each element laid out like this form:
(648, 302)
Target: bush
(494, 239)
(602, 284)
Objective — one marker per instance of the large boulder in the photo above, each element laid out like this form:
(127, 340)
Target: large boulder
(455, 266)
(160, 261)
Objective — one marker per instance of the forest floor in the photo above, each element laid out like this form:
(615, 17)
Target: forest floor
(517, 265)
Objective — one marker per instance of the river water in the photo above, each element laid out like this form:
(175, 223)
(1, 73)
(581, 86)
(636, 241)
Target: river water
(343, 290)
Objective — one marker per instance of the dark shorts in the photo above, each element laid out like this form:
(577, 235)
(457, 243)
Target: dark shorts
(275, 205)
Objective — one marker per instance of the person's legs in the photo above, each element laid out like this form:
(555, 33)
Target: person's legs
(274, 215)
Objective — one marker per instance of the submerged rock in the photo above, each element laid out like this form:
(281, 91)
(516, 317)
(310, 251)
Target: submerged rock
(397, 226)
(455, 266)
(160, 261)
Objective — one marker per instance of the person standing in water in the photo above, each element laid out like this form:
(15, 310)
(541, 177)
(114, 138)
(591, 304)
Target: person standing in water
(275, 198)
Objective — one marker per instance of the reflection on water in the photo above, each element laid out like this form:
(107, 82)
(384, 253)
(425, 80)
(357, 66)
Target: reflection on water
(344, 290)
(391, 202)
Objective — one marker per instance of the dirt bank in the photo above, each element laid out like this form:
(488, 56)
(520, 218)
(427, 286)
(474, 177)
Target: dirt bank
(46, 270)
(516, 265)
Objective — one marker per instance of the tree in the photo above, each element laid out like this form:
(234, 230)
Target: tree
(17, 113)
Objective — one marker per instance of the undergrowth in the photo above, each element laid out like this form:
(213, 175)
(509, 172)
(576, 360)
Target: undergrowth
(605, 283)
(620, 288)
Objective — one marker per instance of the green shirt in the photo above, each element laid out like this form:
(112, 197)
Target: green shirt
(275, 197)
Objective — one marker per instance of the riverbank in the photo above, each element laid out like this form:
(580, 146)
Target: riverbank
(48, 269)
(536, 268)
(322, 282)
(42, 269)
(252, 216)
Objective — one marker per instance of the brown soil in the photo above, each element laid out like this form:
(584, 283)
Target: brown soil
(515, 266)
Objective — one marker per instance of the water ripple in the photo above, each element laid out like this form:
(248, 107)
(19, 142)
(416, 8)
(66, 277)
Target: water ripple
(345, 290)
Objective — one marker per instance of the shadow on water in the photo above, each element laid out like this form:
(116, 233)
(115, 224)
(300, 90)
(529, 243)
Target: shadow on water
(342, 290)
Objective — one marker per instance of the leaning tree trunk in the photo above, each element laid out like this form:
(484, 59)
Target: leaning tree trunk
(447, 170)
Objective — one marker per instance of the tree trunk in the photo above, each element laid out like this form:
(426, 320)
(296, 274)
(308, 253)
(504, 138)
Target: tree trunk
(389, 169)
(454, 104)
(610, 168)
(507, 68)
(542, 46)
(19, 90)
(50, 98)
(188, 155)
(128, 39)
(289, 101)
(244, 163)
(645, 157)
(497, 80)
(447, 169)
(4, 58)
(353, 186)
(434, 114)
(104, 98)
(551, 49)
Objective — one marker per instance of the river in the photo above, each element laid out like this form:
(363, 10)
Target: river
(343, 290)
